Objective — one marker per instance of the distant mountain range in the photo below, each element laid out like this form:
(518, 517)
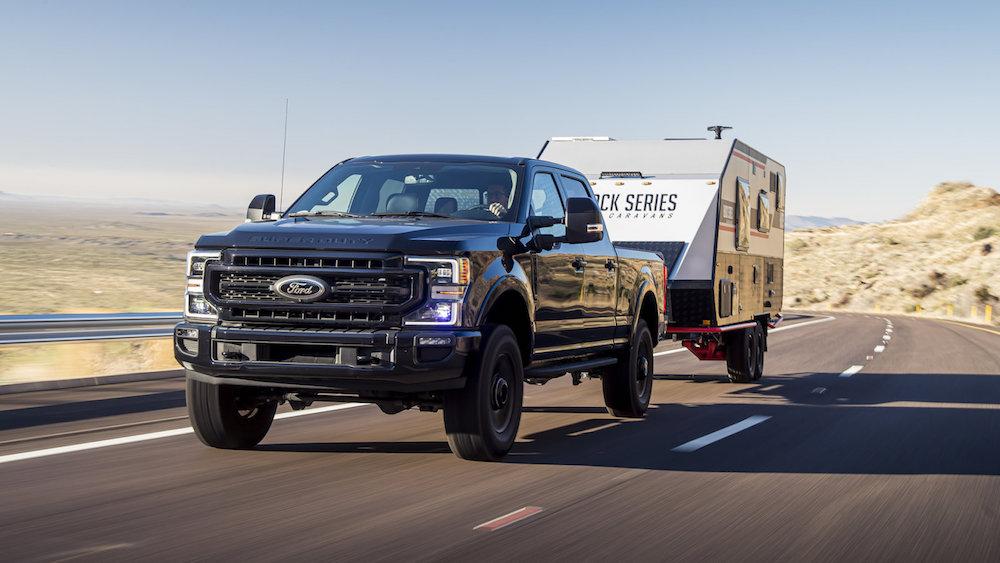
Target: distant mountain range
(804, 222)
(141, 205)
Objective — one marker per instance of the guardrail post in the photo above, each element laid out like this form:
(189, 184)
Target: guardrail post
(974, 312)
(989, 314)
(951, 310)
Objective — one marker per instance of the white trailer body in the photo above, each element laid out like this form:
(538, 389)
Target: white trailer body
(715, 210)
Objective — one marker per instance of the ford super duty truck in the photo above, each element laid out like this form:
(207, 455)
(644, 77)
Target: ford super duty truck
(429, 281)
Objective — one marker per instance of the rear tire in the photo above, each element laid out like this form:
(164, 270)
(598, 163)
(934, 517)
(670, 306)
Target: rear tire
(228, 416)
(629, 384)
(742, 352)
(759, 341)
(481, 419)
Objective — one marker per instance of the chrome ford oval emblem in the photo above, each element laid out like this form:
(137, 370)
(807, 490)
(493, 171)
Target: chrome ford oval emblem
(301, 288)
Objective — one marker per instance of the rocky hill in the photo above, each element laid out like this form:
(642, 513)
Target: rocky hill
(945, 253)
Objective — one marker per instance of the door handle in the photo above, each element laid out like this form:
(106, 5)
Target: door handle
(579, 263)
(610, 264)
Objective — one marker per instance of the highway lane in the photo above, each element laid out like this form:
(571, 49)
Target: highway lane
(896, 459)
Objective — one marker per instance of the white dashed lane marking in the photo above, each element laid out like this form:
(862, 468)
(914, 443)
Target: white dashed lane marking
(851, 371)
(699, 443)
(508, 519)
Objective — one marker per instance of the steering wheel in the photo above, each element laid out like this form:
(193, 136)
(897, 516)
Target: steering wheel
(497, 209)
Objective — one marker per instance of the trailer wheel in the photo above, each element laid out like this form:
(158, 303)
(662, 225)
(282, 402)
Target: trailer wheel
(742, 351)
(481, 420)
(228, 416)
(759, 343)
(628, 385)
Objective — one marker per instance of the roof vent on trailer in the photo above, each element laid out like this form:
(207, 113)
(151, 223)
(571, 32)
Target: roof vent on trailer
(622, 174)
(718, 130)
(582, 139)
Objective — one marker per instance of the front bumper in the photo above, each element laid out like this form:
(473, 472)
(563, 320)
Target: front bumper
(325, 360)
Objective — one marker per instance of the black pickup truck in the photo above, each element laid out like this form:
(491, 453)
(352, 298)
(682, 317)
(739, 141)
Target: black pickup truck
(429, 281)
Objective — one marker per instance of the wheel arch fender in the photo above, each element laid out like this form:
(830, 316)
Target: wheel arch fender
(645, 307)
(508, 301)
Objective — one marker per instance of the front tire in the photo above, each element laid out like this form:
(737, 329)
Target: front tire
(481, 419)
(228, 416)
(629, 384)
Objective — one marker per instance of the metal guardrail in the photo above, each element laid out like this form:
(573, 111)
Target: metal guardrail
(25, 329)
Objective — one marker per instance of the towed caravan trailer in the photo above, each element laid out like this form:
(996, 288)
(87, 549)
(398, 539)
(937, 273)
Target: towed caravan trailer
(715, 210)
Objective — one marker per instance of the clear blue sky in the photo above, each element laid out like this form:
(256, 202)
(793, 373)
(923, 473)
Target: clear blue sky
(868, 106)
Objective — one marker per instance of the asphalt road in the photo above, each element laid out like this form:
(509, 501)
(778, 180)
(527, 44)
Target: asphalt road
(839, 453)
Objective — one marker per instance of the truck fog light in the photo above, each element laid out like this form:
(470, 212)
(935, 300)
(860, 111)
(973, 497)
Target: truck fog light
(187, 332)
(434, 341)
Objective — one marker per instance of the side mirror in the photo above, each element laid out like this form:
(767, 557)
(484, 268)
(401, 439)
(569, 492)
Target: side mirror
(538, 243)
(540, 222)
(583, 221)
(260, 209)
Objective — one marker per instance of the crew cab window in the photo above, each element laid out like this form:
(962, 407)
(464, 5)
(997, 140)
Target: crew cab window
(545, 200)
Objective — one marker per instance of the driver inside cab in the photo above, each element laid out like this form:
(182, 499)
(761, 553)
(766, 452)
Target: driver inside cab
(497, 199)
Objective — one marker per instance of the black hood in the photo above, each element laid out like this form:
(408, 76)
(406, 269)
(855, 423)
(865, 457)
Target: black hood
(392, 234)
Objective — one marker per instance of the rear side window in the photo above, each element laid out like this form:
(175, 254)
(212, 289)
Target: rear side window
(575, 188)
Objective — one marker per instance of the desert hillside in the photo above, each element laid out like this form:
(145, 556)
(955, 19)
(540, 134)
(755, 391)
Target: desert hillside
(945, 253)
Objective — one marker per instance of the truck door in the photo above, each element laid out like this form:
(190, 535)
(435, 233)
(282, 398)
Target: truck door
(559, 275)
(600, 278)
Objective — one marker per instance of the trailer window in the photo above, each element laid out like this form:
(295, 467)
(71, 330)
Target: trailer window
(743, 214)
(763, 212)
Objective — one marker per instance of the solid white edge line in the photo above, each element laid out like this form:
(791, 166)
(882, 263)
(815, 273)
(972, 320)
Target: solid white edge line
(851, 371)
(150, 436)
(807, 323)
(726, 432)
(779, 329)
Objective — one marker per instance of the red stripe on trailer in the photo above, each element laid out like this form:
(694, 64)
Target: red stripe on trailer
(725, 228)
(711, 329)
(747, 158)
(753, 234)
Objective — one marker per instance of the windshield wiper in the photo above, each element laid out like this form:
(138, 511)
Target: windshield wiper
(409, 214)
(322, 214)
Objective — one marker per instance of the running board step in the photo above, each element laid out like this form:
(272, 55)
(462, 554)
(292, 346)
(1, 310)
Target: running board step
(561, 369)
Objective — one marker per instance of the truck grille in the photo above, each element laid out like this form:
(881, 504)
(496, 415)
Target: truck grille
(344, 289)
(365, 291)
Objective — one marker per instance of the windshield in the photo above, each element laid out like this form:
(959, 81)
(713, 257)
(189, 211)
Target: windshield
(485, 192)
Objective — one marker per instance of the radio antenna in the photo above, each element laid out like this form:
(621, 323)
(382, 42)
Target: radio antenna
(284, 145)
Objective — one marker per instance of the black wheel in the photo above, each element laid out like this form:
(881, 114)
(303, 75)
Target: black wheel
(481, 420)
(759, 343)
(228, 416)
(629, 384)
(742, 351)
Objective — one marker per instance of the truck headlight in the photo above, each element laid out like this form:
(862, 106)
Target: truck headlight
(449, 281)
(196, 307)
